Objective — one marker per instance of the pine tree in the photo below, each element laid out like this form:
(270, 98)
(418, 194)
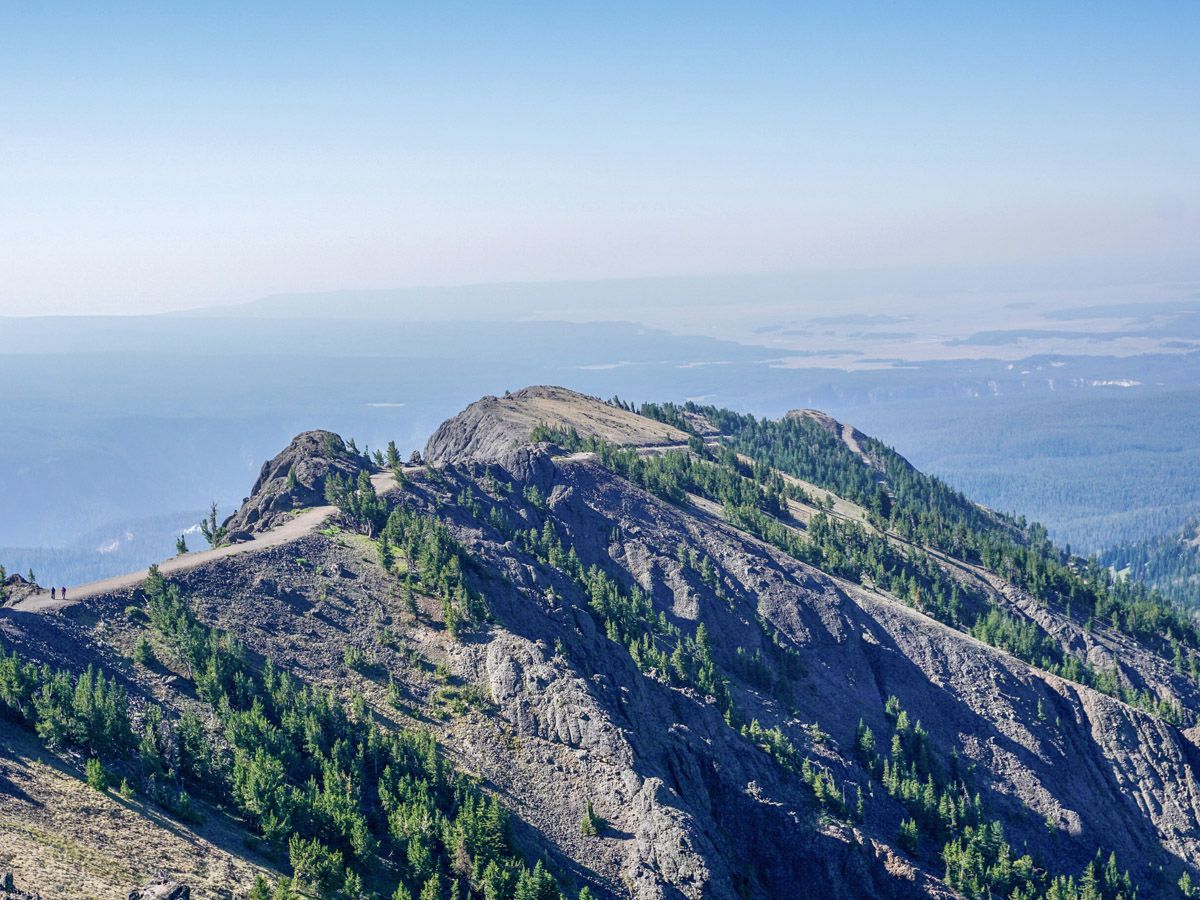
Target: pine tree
(352, 886)
(213, 533)
(95, 775)
(395, 698)
(589, 826)
(143, 653)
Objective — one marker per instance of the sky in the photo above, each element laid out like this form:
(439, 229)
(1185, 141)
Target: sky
(163, 156)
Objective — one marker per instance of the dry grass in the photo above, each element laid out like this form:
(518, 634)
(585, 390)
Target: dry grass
(560, 408)
(63, 839)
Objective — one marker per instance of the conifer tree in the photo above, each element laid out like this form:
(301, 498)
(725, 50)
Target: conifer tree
(214, 533)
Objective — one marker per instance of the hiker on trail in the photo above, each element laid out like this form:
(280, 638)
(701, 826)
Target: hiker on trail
(63, 593)
(51, 593)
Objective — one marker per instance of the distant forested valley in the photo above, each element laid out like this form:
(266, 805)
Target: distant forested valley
(1097, 467)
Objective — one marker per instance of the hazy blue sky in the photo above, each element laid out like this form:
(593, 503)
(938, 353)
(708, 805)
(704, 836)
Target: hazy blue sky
(163, 155)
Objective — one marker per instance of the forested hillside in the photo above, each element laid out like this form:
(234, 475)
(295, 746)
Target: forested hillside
(1170, 563)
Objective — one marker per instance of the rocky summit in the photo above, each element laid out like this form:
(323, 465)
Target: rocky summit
(586, 650)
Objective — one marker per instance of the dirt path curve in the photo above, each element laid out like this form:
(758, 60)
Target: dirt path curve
(305, 523)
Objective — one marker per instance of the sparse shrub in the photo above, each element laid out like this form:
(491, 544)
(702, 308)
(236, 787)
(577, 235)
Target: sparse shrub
(816, 735)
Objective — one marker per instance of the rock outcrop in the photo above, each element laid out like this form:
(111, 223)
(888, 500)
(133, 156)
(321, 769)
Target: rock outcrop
(162, 888)
(293, 480)
(15, 588)
(10, 891)
(490, 427)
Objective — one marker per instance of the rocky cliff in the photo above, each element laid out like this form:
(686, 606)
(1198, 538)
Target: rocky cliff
(293, 480)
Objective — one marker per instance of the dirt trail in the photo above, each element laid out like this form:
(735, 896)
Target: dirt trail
(304, 523)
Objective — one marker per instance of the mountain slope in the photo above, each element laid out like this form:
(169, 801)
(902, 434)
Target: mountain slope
(685, 674)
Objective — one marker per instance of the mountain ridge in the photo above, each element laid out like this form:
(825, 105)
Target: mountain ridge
(642, 638)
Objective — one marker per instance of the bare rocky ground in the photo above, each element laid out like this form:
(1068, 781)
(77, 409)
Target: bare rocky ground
(492, 426)
(65, 840)
(553, 715)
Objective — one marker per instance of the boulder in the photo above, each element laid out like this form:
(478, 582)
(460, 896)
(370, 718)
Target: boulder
(162, 888)
(9, 890)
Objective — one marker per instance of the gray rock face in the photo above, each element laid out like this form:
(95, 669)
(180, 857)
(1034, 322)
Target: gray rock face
(1105, 773)
(294, 479)
(489, 428)
(15, 588)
